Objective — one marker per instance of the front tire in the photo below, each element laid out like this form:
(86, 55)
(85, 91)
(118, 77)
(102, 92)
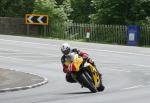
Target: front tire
(87, 82)
(101, 88)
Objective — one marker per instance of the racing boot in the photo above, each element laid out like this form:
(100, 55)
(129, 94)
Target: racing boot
(69, 78)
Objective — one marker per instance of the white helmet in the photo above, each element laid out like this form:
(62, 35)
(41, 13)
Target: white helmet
(65, 48)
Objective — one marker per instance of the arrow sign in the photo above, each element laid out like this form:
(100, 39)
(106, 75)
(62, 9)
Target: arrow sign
(40, 19)
(36, 19)
(30, 19)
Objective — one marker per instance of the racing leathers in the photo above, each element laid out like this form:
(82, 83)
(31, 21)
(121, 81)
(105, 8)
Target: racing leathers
(64, 58)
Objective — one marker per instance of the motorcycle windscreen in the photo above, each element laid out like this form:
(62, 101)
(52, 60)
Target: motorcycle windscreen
(77, 62)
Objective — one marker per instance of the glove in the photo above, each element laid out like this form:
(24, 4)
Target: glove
(75, 50)
(65, 69)
(85, 56)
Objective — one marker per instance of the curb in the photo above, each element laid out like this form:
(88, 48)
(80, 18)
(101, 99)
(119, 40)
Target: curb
(25, 87)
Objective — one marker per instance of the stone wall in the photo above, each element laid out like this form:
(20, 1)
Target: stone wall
(10, 25)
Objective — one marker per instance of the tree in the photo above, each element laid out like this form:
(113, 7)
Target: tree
(15, 8)
(81, 11)
(120, 11)
(50, 8)
(57, 16)
(59, 2)
(28, 6)
(66, 5)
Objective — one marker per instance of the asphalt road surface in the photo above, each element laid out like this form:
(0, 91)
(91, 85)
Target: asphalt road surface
(126, 71)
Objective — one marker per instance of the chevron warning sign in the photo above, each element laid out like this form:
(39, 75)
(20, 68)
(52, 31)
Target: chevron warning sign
(37, 19)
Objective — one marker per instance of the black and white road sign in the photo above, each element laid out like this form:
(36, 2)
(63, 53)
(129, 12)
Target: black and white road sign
(36, 19)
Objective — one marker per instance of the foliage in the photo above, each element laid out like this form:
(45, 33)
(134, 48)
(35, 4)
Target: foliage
(59, 2)
(50, 8)
(66, 5)
(17, 8)
(81, 10)
(56, 14)
(120, 11)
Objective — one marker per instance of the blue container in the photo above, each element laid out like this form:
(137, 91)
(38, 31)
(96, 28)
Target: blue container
(133, 35)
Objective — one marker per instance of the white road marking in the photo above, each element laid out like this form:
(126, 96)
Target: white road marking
(110, 51)
(137, 86)
(145, 66)
(12, 50)
(15, 41)
(119, 52)
(12, 59)
(133, 87)
(119, 70)
(22, 52)
(17, 59)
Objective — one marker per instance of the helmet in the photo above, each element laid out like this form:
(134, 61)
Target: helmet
(65, 48)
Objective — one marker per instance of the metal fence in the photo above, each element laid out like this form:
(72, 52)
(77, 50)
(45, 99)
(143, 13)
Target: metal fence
(144, 39)
(114, 34)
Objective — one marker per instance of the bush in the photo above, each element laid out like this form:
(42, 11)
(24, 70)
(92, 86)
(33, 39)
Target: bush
(56, 15)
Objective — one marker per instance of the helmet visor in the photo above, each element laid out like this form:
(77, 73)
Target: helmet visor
(66, 52)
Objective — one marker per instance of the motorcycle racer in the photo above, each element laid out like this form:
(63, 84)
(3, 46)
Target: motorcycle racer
(66, 50)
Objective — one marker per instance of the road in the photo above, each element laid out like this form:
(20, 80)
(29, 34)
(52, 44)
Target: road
(126, 71)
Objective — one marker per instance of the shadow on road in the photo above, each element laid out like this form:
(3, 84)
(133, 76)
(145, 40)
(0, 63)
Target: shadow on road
(78, 93)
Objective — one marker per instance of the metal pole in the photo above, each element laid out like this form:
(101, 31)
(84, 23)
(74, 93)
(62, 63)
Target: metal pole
(28, 29)
(44, 30)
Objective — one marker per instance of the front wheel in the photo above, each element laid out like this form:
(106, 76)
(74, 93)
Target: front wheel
(86, 81)
(101, 88)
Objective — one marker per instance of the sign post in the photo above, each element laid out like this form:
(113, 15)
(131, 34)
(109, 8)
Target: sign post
(28, 30)
(36, 19)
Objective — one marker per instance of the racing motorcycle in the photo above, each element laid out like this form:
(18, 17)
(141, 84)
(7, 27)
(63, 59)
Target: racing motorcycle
(84, 73)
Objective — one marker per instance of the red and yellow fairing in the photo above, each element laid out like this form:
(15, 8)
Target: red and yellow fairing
(75, 64)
